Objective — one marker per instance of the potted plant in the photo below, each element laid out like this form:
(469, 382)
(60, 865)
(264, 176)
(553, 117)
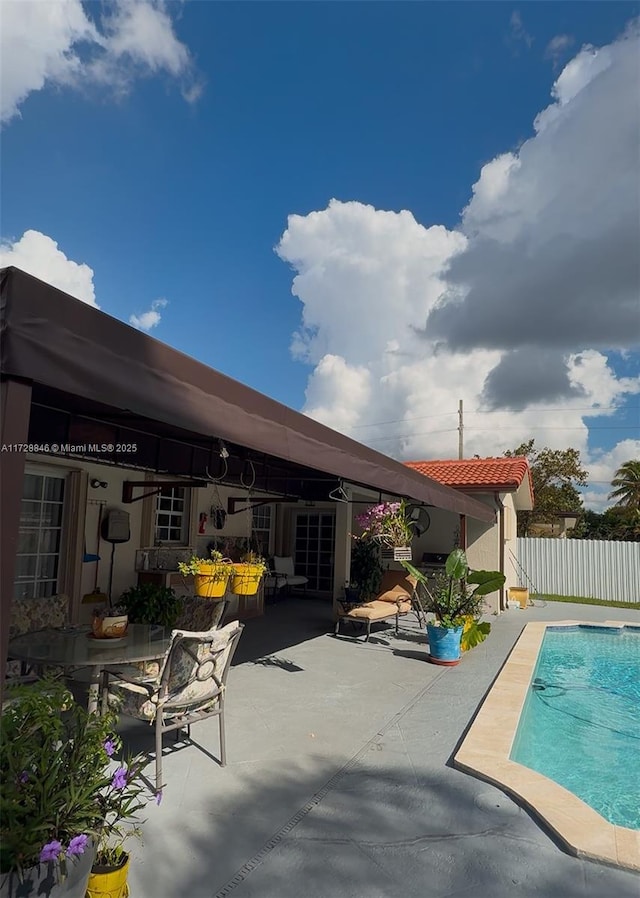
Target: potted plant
(62, 791)
(388, 525)
(451, 601)
(110, 623)
(210, 575)
(247, 573)
(366, 571)
(150, 603)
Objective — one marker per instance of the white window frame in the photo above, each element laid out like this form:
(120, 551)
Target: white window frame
(258, 529)
(32, 586)
(183, 514)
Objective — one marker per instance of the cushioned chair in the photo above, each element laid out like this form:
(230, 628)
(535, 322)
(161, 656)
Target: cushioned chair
(189, 687)
(197, 613)
(28, 615)
(283, 569)
(397, 597)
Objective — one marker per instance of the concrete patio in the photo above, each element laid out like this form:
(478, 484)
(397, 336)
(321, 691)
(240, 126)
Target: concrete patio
(339, 779)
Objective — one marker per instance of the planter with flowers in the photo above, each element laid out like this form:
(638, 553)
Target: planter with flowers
(66, 802)
(247, 574)
(210, 575)
(388, 525)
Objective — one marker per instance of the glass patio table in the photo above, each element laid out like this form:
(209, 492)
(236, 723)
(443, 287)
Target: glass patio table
(71, 647)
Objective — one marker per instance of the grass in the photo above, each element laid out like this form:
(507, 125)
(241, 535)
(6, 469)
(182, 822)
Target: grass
(582, 600)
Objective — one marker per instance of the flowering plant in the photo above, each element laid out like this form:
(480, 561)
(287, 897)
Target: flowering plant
(62, 791)
(387, 523)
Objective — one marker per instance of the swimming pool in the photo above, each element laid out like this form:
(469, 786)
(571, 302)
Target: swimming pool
(580, 725)
(487, 748)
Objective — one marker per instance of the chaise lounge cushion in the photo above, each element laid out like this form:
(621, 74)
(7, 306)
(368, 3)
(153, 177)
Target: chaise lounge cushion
(396, 586)
(376, 610)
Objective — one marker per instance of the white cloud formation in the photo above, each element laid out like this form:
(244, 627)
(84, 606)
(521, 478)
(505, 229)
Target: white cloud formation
(518, 34)
(63, 43)
(557, 46)
(602, 468)
(146, 321)
(40, 256)
(516, 313)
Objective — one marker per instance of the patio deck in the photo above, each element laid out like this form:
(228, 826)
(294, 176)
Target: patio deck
(339, 779)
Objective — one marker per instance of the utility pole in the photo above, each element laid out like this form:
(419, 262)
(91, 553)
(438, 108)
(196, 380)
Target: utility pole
(460, 431)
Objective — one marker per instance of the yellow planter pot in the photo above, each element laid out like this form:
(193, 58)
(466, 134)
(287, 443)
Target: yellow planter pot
(211, 580)
(109, 885)
(246, 579)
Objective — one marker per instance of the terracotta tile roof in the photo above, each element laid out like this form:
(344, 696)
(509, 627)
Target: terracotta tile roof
(475, 473)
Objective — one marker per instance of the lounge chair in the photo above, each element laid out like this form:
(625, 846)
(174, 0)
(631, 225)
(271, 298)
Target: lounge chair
(397, 597)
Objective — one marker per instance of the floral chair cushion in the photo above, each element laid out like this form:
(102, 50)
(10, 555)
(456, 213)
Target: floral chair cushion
(198, 614)
(29, 614)
(37, 614)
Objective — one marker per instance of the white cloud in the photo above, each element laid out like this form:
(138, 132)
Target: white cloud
(557, 46)
(40, 256)
(518, 34)
(601, 470)
(61, 43)
(516, 313)
(146, 321)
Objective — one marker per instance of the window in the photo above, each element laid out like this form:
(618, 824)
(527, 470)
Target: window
(261, 528)
(172, 515)
(40, 536)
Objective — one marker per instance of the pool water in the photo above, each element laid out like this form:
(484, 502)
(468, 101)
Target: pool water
(580, 725)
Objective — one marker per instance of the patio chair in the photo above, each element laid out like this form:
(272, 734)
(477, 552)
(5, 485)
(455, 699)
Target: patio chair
(30, 614)
(283, 569)
(397, 597)
(189, 687)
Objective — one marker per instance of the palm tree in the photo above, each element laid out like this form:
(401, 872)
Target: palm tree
(627, 485)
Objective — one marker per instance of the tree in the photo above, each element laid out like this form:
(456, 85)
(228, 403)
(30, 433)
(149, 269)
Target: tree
(556, 475)
(627, 485)
(617, 523)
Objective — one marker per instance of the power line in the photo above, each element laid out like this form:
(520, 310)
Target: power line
(596, 411)
(424, 433)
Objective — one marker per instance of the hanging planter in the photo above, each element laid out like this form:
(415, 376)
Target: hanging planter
(210, 575)
(211, 580)
(109, 882)
(246, 578)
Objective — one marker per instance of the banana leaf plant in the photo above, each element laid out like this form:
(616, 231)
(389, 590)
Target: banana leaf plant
(450, 598)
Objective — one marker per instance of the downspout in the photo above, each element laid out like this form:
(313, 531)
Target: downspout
(500, 506)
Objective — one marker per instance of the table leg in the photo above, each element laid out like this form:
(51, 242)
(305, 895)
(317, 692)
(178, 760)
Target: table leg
(94, 689)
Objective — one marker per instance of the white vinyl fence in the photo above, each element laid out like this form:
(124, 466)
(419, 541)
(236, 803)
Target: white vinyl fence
(598, 569)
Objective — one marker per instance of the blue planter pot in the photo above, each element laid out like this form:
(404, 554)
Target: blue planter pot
(444, 644)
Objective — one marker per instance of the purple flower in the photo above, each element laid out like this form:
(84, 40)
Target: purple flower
(51, 851)
(24, 777)
(109, 747)
(158, 796)
(119, 780)
(77, 845)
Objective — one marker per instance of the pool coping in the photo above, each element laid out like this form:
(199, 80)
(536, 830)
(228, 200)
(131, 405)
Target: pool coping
(486, 748)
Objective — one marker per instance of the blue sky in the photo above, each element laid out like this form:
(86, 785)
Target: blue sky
(171, 148)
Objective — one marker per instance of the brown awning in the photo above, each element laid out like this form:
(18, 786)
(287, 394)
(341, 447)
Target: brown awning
(52, 339)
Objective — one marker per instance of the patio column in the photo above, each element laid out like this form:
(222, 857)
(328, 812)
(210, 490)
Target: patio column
(342, 549)
(15, 410)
